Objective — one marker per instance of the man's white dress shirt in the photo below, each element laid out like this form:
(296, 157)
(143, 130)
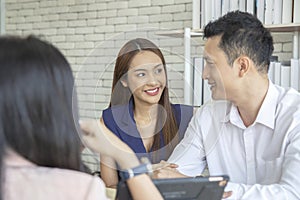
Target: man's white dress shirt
(262, 160)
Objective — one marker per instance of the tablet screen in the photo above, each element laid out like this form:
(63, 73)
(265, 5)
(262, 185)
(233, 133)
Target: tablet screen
(211, 188)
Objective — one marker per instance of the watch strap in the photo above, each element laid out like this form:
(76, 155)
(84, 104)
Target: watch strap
(145, 168)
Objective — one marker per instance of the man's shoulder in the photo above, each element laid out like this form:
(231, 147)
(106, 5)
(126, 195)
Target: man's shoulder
(213, 111)
(287, 112)
(288, 99)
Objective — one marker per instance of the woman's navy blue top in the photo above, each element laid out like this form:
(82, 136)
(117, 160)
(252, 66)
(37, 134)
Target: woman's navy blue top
(119, 119)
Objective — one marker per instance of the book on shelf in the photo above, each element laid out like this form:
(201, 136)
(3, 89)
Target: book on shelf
(287, 11)
(269, 12)
(208, 14)
(271, 72)
(296, 13)
(260, 10)
(285, 75)
(225, 6)
(218, 9)
(277, 73)
(234, 5)
(250, 6)
(242, 5)
(295, 65)
(277, 16)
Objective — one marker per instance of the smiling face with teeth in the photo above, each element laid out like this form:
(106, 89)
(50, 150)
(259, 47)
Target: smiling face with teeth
(140, 73)
(146, 78)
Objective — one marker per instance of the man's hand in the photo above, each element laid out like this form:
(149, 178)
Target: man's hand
(166, 170)
(162, 164)
(227, 194)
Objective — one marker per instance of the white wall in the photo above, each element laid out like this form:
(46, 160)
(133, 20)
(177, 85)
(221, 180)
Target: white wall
(90, 33)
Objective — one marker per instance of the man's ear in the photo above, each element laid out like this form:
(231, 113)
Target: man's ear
(124, 83)
(244, 65)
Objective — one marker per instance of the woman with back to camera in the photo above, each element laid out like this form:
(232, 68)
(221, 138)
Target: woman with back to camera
(38, 118)
(140, 112)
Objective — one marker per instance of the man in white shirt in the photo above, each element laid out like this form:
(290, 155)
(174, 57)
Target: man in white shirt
(251, 131)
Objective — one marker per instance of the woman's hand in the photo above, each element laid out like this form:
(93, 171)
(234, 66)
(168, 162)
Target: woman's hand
(99, 138)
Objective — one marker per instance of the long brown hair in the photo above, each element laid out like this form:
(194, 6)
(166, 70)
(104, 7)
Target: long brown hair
(121, 95)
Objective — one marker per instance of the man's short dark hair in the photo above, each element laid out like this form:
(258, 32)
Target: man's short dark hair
(242, 34)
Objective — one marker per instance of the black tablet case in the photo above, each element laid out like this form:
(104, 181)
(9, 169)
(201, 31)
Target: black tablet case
(205, 188)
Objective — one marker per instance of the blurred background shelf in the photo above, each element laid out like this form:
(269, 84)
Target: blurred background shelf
(180, 33)
(292, 27)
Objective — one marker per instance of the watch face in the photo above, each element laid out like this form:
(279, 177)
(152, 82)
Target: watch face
(145, 160)
(138, 170)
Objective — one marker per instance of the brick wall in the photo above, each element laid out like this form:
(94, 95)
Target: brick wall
(90, 33)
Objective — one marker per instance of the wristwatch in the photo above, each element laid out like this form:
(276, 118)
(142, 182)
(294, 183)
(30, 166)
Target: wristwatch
(144, 168)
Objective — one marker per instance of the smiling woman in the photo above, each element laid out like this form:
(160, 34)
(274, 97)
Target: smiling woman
(146, 81)
(140, 112)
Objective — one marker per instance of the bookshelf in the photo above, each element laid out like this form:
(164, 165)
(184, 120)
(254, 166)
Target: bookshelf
(188, 33)
(292, 27)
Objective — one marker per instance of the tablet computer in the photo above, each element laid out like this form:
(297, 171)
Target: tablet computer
(211, 188)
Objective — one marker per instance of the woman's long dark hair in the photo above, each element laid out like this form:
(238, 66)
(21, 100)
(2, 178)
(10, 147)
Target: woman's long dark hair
(36, 103)
(121, 94)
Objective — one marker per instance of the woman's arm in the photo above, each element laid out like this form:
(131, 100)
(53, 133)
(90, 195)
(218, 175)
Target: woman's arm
(108, 170)
(97, 137)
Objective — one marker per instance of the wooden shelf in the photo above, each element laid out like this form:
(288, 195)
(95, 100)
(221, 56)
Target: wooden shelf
(283, 27)
(199, 32)
(174, 33)
(180, 33)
